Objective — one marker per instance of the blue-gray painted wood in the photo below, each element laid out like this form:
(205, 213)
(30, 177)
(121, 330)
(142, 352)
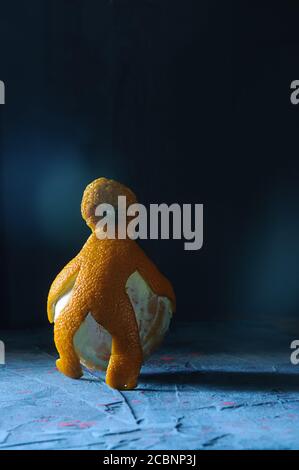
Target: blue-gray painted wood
(211, 386)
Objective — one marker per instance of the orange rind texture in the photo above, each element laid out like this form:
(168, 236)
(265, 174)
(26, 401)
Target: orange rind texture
(94, 282)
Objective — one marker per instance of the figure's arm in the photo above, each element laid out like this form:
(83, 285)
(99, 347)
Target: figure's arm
(61, 284)
(157, 282)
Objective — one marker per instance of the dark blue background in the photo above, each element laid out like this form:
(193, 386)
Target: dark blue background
(184, 101)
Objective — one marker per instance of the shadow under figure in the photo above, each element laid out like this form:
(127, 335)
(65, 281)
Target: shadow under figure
(110, 304)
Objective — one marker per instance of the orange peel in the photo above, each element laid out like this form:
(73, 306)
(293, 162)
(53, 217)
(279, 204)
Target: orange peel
(110, 305)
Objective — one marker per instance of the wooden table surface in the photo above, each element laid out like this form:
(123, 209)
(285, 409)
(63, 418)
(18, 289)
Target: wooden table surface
(211, 386)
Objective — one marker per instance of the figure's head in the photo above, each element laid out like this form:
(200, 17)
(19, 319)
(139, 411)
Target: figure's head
(103, 191)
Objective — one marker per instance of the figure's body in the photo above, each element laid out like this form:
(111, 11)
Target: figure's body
(98, 277)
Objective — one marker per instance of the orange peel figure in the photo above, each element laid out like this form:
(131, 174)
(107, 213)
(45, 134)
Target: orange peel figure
(111, 306)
